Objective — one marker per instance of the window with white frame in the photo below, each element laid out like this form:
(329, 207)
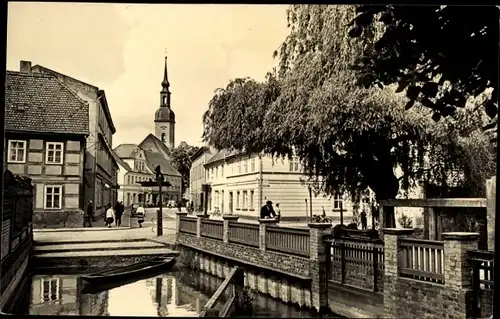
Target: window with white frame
(222, 171)
(239, 167)
(294, 164)
(338, 202)
(54, 153)
(50, 289)
(251, 199)
(252, 164)
(245, 166)
(17, 151)
(216, 172)
(238, 200)
(245, 199)
(53, 197)
(216, 198)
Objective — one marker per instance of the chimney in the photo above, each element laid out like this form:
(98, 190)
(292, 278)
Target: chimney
(25, 67)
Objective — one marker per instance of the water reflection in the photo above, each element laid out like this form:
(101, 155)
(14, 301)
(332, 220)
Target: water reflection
(180, 293)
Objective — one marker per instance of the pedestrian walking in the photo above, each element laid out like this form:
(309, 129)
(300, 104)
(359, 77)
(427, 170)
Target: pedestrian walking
(278, 212)
(89, 215)
(267, 211)
(110, 216)
(141, 214)
(363, 220)
(119, 209)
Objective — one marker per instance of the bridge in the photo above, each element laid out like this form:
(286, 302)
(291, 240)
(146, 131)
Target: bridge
(397, 274)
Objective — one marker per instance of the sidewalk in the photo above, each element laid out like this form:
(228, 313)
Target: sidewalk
(101, 234)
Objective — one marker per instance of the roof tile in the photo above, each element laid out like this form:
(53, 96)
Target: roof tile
(41, 103)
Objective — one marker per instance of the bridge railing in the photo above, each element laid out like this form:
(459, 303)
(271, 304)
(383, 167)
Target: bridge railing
(421, 259)
(357, 262)
(188, 225)
(244, 234)
(294, 241)
(212, 229)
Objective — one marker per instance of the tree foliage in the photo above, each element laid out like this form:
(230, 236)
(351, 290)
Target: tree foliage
(347, 137)
(440, 55)
(181, 160)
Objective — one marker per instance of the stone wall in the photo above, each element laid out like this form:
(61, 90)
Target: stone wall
(58, 219)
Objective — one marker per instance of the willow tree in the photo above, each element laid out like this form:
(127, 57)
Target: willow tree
(348, 138)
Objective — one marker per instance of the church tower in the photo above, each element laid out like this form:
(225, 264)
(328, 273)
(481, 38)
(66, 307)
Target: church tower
(164, 116)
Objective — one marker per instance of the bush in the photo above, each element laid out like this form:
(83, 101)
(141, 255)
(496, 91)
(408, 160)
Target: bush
(405, 221)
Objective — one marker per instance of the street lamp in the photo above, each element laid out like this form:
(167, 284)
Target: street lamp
(160, 181)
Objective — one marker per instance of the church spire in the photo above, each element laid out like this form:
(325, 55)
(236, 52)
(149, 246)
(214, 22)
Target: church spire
(165, 91)
(165, 84)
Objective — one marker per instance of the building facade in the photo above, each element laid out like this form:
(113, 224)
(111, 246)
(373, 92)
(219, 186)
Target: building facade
(100, 177)
(241, 184)
(197, 176)
(138, 165)
(46, 132)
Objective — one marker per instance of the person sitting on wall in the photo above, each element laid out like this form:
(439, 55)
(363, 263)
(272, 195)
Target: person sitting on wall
(267, 211)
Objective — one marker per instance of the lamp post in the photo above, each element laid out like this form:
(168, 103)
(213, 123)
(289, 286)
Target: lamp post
(160, 181)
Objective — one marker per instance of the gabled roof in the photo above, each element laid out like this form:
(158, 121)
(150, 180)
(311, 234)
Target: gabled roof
(160, 147)
(199, 152)
(154, 159)
(120, 162)
(125, 150)
(220, 156)
(42, 103)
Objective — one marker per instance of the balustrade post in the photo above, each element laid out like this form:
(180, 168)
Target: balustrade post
(392, 255)
(458, 270)
(319, 265)
(227, 220)
(199, 217)
(262, 230)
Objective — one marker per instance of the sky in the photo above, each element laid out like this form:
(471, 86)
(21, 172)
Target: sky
(120, 48)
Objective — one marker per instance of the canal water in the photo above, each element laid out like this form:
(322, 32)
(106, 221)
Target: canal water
(178, 293)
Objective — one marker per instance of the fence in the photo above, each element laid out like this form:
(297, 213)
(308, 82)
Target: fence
(188, 225)
(482, 281)
(357, 262)
(17, 229)
(212, 229)
(421, 259)
(244, 234)
(292, 241)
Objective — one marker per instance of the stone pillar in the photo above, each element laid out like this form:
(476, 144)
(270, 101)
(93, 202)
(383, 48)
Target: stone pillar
(392, 254)
(263, 222)
(318, 266)
(491, 185)
(178, 216)
(228, 219)
(199, 217)
(458, 272)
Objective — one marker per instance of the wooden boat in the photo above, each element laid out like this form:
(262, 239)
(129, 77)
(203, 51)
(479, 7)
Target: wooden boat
(129, 272)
